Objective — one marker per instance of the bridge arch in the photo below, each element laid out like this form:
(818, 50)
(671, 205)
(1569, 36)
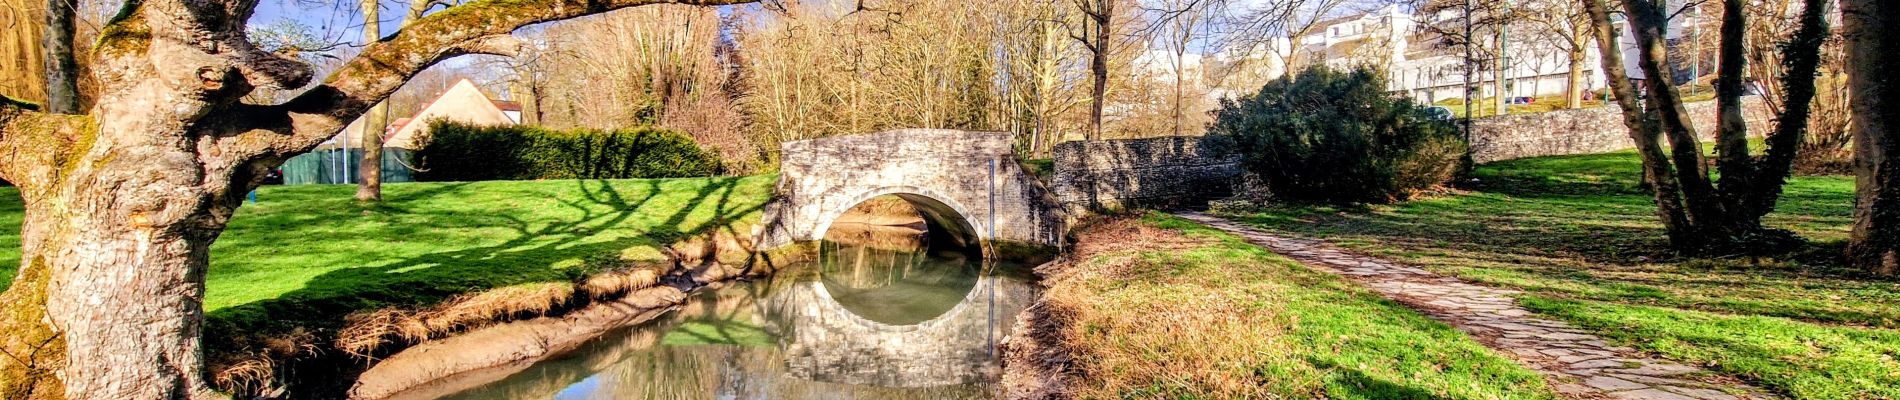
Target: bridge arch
(965, 180)
(940, 212)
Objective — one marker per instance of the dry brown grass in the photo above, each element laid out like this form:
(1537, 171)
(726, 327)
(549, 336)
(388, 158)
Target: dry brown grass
(1159, 307)
(366, 332)
(611, 284)
(1180, 337)
(1126, 233)
(254, 376)
(727, 246)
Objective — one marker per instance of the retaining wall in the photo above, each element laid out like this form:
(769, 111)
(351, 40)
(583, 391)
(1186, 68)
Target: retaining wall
(1586, 131)
(1164, 171)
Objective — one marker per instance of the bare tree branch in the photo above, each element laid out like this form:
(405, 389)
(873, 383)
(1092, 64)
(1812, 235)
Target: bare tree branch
(271, 133)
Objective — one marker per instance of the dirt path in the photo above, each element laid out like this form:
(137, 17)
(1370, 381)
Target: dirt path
(1579, 363)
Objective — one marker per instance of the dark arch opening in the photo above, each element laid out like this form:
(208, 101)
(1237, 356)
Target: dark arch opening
(942, 227)
(900, 259)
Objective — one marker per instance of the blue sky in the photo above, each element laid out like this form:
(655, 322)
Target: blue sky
(336, 20)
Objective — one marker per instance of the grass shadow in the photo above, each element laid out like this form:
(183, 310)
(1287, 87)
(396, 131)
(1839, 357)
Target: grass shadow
(536, 250)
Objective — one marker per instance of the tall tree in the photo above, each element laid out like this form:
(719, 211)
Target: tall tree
(1872, 46)
(123, 203)
(369, 185)
(1181, 23)
(1704, 215)
(1098, 27)
(62, 69)
(1567, 28)
(22, 72)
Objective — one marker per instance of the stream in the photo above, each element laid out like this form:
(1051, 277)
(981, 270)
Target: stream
(879, 314)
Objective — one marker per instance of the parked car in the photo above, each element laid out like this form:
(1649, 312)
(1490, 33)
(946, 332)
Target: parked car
(1440, 113)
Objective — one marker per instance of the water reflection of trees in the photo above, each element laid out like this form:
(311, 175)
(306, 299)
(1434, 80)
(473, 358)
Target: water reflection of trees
(783, 336)
(892, 274)
(666, 360)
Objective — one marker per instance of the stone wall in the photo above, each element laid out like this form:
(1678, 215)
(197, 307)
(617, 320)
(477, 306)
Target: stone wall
(1585, 131)
(1163, 171)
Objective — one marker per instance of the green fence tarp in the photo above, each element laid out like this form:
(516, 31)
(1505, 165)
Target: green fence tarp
(328, 167)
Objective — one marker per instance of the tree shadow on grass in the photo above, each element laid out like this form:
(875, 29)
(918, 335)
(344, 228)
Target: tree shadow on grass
(1349, 383)
(320, 307)
(1579, 227)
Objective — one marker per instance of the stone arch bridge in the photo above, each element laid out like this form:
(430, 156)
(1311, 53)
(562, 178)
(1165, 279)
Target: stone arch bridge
(967, 183)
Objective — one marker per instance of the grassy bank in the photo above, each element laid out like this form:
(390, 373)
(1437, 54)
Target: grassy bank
(291, 268)
(1158, 307)
(1580, 237)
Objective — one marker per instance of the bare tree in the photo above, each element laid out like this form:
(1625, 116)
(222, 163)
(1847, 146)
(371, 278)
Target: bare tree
(123, 203)
(1096, 36)
(369, 185)
(1699, 215)
(1827, 147)
(1180, 24)
(62, 69)
(22, 70)
(1871, 46)
(1566, 28)
(1040, 80)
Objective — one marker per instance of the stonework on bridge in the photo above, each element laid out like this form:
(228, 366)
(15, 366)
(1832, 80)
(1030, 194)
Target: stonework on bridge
(967, 182)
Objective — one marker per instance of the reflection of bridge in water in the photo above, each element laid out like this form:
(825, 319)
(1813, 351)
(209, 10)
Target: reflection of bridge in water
(822, 340)
(795, 334)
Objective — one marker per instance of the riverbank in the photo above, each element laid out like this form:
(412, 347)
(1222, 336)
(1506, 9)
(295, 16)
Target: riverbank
(481, 352)
(306, 263)
(1155, 306)
(871, 319)
(1580, 239)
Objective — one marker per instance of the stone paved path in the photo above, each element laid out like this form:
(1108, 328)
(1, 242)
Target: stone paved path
(1581, 364)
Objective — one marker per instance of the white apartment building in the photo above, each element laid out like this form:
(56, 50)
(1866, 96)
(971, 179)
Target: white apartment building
(1396, 41)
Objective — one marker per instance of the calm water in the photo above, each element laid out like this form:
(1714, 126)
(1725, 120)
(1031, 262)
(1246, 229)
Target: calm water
(879, 315)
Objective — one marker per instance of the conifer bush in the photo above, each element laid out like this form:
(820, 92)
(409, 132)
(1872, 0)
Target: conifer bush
(1339, 137)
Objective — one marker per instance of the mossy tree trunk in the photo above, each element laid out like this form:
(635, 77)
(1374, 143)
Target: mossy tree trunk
(1871, 47)
(123, 204)
(1703, 215)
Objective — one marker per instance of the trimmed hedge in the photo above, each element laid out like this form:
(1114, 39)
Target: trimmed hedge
(454, 151)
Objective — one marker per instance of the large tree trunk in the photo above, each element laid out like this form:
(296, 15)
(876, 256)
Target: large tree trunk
(123, 204)
(1875, 243)
(115, 243)
(1642, 129)
(1700, 216)
(62, 70)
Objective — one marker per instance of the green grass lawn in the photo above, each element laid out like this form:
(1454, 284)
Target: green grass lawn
(1579, 236)
(305, 256)
(1160, 307)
